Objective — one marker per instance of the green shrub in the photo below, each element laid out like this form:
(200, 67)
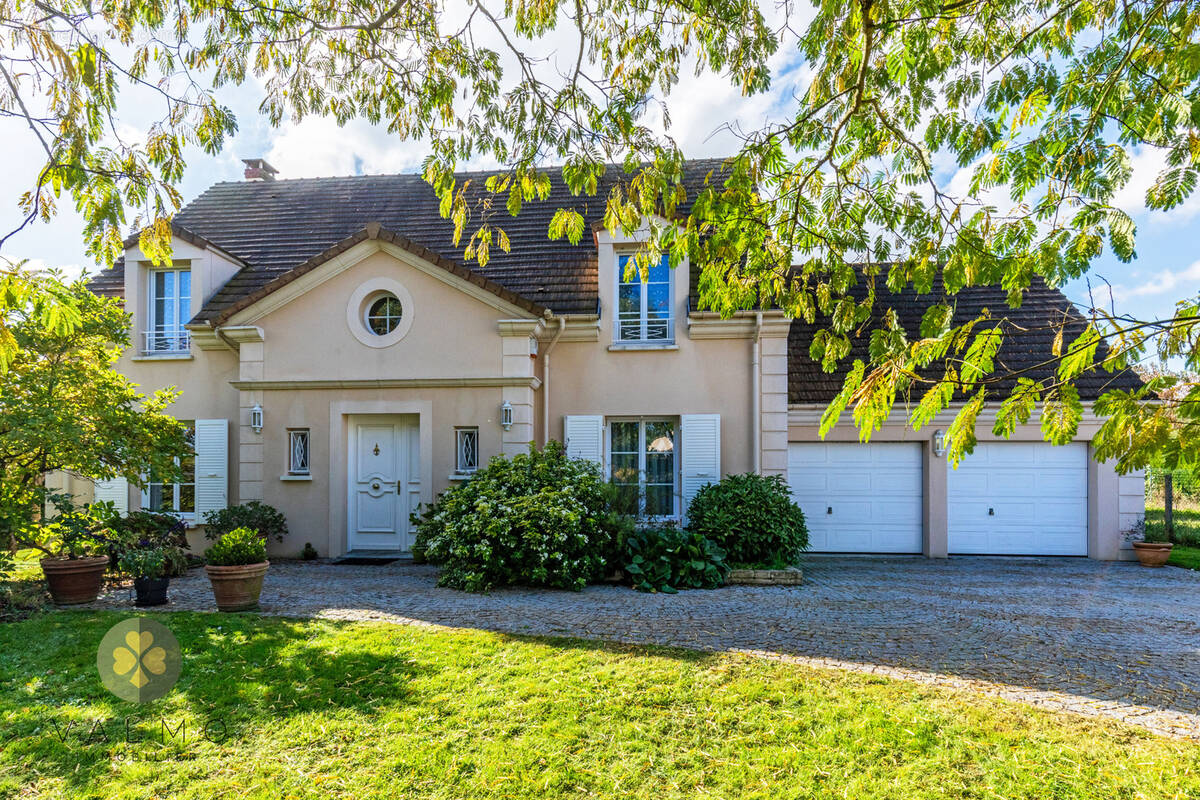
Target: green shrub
(538, 519)
(669, 559)
(267, 520)
(151, 562)
(239, 546)
(752, 517)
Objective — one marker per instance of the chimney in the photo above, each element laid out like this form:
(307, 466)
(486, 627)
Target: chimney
(259, 170)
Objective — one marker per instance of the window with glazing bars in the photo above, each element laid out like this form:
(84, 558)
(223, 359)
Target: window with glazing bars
(466, 442)
(298, 451)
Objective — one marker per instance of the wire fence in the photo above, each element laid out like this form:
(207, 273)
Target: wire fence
(1173, 506)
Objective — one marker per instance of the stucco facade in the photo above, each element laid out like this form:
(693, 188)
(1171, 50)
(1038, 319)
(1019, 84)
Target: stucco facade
(386, 418)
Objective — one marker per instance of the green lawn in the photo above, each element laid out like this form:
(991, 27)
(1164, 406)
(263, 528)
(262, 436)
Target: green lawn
(325, 709)
(1187, 557)
(1187, 525)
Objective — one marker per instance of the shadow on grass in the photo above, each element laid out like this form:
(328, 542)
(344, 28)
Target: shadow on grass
(239, 673)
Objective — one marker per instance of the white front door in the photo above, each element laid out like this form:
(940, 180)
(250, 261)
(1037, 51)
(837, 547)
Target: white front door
(382, 476)
(858, 498)
(1020, 498)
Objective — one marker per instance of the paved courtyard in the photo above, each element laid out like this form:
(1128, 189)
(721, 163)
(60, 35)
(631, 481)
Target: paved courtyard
(1106, 639)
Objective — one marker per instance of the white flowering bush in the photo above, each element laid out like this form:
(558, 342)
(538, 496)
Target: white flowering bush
(536, 519)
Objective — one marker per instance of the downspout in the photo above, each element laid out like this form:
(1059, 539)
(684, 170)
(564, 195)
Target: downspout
(562, 324)
(756, 391)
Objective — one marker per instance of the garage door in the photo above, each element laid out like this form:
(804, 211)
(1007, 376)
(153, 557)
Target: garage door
(1020, 498)
(858, 498)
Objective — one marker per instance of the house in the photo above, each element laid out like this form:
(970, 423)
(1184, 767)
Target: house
(340, 361)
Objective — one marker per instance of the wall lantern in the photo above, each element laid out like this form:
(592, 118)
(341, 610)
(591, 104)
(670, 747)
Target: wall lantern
(939, 444)
(506, 415)
(256, 416)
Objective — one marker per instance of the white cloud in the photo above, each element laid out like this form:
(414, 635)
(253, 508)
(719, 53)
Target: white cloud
(1147, 163)
(1186, 280)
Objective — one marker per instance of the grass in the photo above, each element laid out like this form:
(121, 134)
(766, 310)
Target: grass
(1186, 557)
(358, 710)
(1187, 525)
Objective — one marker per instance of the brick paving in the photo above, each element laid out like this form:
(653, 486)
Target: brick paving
(1102, 639)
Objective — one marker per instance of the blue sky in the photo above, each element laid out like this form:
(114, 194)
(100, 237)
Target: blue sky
(1166, 269)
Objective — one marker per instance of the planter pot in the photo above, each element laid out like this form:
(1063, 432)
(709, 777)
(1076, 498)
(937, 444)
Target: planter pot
(237, 588)
(151, 591)
(74, 580)
(1152, 554)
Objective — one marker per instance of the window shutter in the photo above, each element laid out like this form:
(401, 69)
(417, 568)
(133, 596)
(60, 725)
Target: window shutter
(584, 437)
(115, 491)
(700, 453)
(212, 465)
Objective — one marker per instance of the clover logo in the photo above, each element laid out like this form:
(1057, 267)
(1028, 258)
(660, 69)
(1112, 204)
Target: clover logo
(139, 660)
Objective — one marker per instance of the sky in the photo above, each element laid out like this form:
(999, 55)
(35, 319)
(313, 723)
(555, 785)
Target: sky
(1166, 268)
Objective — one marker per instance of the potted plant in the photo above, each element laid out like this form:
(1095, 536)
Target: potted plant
(236, 565)
(1154, 550)
(150, 570)
(75, 561)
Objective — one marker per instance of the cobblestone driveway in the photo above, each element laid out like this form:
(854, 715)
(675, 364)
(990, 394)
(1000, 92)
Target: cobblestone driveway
(1108, 639)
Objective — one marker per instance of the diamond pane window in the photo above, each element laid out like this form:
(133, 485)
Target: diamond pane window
(298, 451)
(466, 441)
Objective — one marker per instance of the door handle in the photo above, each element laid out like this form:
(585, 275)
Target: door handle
(991, 512)
(399, 486)
(829, 509)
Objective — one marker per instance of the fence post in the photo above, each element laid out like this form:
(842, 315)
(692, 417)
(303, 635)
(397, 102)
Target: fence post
(1168, 506)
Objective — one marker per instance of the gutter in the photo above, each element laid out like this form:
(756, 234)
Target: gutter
(756, 392)
(562, 325)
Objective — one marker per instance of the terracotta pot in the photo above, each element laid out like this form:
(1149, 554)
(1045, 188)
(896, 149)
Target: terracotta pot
(1152, 554)
(237, 588)
(151, 591)
(74, 580)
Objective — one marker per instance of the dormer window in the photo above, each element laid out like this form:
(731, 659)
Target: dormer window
(644, 307)
(170, 308)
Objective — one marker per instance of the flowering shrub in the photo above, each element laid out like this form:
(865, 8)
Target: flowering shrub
(752, 518)
(538, 519)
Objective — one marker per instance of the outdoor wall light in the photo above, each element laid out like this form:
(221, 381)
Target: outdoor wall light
(506, 415)
(256, 418)
(939, 444)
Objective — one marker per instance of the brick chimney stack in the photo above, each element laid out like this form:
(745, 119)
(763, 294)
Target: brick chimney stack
(259, 170)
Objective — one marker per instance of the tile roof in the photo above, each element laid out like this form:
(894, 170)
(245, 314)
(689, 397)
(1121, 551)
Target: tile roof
(280, 229)
(275, 226)
(1027, 344)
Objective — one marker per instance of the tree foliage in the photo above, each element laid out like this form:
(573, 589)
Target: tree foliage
(62, 406)
(1042, 102)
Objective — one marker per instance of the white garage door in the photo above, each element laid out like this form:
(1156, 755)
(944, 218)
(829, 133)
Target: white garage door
(1020, 498)
(858, 498)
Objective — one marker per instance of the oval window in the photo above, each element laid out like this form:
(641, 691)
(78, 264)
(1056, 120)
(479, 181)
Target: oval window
(384, 314)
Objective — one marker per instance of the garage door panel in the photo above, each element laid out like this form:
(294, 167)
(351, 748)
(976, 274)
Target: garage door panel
(1037, 493)
(874, 491)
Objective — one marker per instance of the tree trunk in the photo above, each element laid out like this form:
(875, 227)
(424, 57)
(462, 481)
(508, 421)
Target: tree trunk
(1169, 506)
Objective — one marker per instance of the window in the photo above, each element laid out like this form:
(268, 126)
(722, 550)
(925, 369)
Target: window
(175, 498)
(170, 308)
(642, 461)
(298, 451)
(384, 314)
(643, 307)
(466, 448)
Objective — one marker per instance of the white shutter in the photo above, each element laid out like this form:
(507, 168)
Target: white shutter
(584, 437)
(115, 491)
(700, 453)
(212, 465)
